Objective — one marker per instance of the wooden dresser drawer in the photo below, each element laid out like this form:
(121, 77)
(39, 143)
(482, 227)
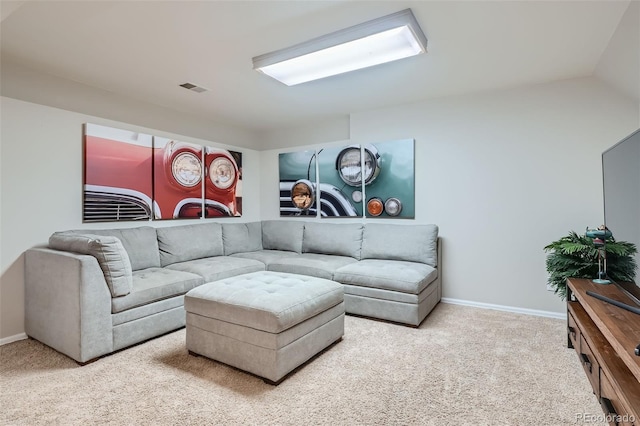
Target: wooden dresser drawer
(590, 365)
(615, 411)
(574, 332)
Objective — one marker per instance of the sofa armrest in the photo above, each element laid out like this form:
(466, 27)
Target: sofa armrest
(67, 303)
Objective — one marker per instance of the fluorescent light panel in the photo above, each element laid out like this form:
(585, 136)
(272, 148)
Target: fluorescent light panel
(374, 42)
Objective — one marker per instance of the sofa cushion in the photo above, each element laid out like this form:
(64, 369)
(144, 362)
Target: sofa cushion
(140, 243)
(332, 238)
(241, 237)
(109, 251)
(267, 256)
(219, 267)
(155, 284)
(315, 265)
(282, 235)
(188, 242)
(395, 275)
(412, 243)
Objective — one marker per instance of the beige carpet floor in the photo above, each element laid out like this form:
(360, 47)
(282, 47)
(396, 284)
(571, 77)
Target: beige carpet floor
(463, 366)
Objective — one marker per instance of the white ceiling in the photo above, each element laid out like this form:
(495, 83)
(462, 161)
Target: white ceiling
(145, 49)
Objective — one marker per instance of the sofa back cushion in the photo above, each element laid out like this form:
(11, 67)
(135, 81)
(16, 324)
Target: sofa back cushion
(413, 243)
(189, 242)
(140, 243)
(282, 235)
(333, 238)
(241, 237)
(108, 251)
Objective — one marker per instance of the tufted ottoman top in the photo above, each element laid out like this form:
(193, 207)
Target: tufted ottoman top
(267, 301)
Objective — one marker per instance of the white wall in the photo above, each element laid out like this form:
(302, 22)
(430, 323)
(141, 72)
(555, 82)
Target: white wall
(41, 189)
(619, 65)
(502, 174)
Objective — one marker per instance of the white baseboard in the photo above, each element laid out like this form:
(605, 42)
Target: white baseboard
(11, 339)
(535, 312)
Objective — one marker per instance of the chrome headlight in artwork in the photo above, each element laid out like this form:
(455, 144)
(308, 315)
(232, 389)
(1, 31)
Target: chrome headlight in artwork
(375, 206)
(302, 194)
(350, 167)
(393, 206)
(186, 169)
(222, 172)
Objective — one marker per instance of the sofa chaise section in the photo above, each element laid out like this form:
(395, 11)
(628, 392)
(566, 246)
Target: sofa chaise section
(398, 276)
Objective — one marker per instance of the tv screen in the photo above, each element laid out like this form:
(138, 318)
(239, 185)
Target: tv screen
(621, 180)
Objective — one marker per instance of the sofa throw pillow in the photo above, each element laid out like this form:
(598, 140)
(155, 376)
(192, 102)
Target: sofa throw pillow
(413, 243)
(282, 235)
(331, 238)
(141, 244)
(189, 242)
(108, 251)
(241, 237)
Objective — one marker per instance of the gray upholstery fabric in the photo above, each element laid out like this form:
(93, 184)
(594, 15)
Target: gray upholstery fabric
(142, 329)
(262, 338)
(405, 313)
(70, 307)
(282, 235)
(154, 284)
(413, 243)
(396, 275)
(333, 238)
(149, 309)
(241, 237)
(140, 243)
(316, 265)
(188, 242)
(267, 256)
(219, 267)
(67, 303)
(266, 323)
(377, 293)
(109, 251)
(271, 364)
(268, 301)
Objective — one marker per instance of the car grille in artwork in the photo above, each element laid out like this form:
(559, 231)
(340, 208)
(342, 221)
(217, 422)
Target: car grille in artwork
(103, 207)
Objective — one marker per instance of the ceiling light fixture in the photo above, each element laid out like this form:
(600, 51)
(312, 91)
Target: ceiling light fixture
(375, 42)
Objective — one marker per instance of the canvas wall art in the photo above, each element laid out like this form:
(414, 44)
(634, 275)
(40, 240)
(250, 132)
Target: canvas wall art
(298, 183)
(117, 175)
(370, 180)
(132, 176)
(390, 185)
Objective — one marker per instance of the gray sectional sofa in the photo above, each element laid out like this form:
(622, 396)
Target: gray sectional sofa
(93, 292)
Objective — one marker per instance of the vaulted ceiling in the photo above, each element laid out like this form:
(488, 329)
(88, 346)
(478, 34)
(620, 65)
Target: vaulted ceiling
(145, 49)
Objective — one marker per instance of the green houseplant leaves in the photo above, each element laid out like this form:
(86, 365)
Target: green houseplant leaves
(576, 256)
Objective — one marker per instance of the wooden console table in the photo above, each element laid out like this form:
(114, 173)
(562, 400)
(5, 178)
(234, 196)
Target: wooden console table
(605, 337)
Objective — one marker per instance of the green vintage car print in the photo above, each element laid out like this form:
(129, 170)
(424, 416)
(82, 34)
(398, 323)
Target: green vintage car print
(333, 181)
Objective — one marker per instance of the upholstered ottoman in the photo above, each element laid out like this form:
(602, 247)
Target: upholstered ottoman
(266, 323)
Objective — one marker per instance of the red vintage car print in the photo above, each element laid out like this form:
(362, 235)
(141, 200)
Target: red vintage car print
(134, 176)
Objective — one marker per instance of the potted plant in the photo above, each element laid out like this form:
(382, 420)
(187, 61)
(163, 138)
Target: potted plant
(577, 256)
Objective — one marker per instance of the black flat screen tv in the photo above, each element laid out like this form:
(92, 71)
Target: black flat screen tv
(621, 184)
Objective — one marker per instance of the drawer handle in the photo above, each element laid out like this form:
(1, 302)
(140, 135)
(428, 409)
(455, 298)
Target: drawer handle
(573, 332)
(585, 361)
(610, 409)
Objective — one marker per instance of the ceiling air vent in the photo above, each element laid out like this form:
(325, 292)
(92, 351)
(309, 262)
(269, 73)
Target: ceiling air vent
(193, 87)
